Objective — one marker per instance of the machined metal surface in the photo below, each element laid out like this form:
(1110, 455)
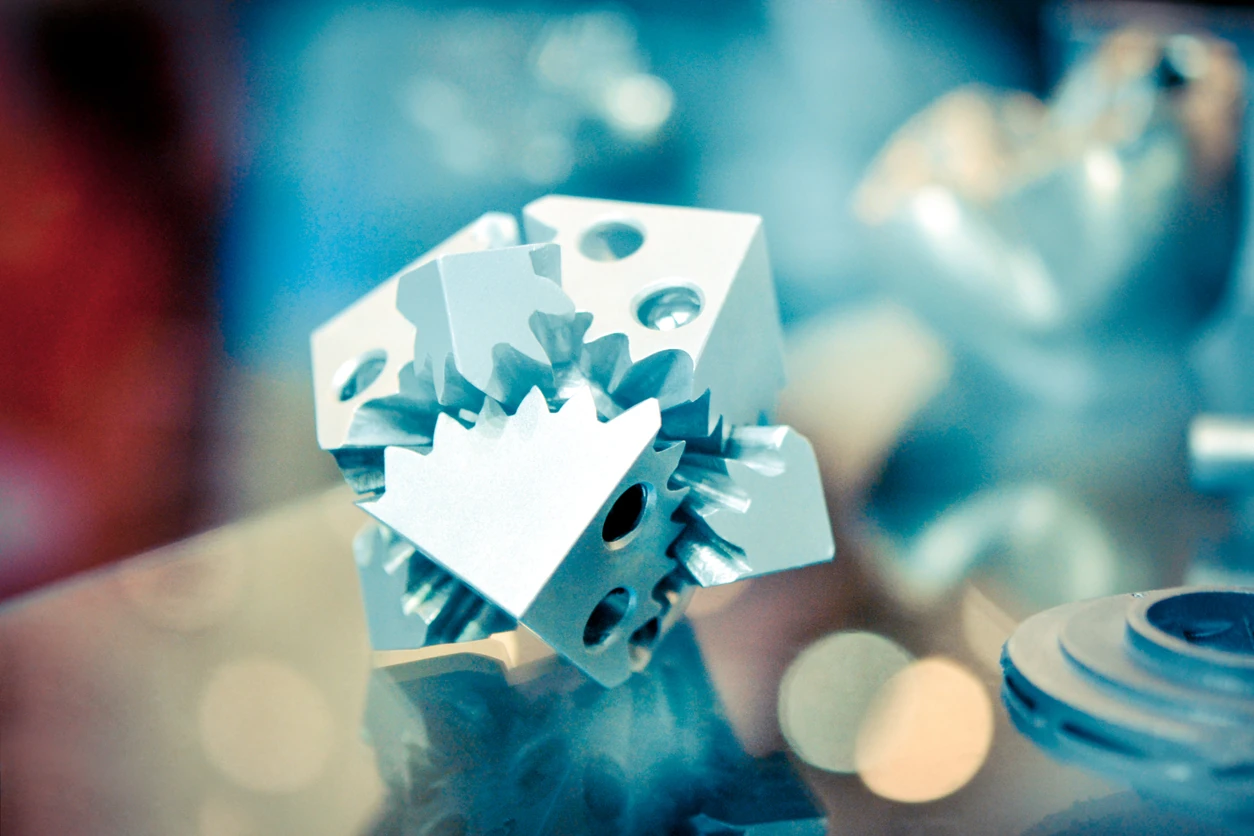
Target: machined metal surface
(1221, 456)
(1221, 452)
(1062, 249)
(1155, 689)
(569, 432)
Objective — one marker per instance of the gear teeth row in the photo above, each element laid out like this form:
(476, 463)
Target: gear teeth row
(413, 602)
(452, 611)
(602, 367)
(755, 503)
(528, 468)
(581, 512)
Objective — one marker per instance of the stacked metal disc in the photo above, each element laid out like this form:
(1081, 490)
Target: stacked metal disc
(1152, 689)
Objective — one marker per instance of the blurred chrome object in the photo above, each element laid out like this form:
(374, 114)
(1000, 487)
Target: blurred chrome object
(1065, 250)
(564, 433)
(1221, 451)
(516, 96)
(461, 751)
(1022, 537)
(1155, 689)
(1221, 439)
(1042, 218)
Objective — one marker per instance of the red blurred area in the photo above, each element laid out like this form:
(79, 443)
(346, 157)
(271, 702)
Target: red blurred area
(110, 174)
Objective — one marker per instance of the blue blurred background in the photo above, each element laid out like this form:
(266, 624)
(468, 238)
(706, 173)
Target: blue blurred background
(197, 185)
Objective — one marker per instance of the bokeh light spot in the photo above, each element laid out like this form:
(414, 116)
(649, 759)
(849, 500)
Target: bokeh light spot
(827, 691)
(220, 817)
(926, 734)
(265, 726)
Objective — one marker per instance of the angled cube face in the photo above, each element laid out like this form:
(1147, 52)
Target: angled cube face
(513, 508)
(473, 311)
(611, 598)
(358, 355)
(675, 278)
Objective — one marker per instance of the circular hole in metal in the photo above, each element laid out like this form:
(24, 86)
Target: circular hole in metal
(1217, 620)
(626, 513)
(611, 241)
(607, 616)
(669, 308)
(355, 376)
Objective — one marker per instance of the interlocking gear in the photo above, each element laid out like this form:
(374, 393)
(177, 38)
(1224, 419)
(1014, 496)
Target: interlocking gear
(514, 507)
(550, 470)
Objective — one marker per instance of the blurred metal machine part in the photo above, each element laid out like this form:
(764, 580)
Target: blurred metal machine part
(1221, 452)
(568, 431)
(1042, 218)
(461, 751)
(1066, 250)
(1221, 438)
(1155, 689)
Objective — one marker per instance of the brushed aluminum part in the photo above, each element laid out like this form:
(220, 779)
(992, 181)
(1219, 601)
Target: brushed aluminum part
(1155, 689)
(668, 278)
(473, 311)
(560, 520)
(754, 509)
(537, 423)
(359, 354)
(411, 601)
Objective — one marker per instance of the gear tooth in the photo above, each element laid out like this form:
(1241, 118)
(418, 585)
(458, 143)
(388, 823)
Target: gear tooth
(491, 413)
(533, 404)
(605, 361)
(448, 430)
(580, 406)
(666, 376)
(440, 369)
(370, 546)
(560, 335)
(688, 420)
(672, 453)
(710, 559)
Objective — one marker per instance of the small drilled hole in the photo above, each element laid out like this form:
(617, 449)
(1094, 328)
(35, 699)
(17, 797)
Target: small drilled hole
(606, 616)
(669, 308)
(356, 375)
(611, 241)
(626, 513)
